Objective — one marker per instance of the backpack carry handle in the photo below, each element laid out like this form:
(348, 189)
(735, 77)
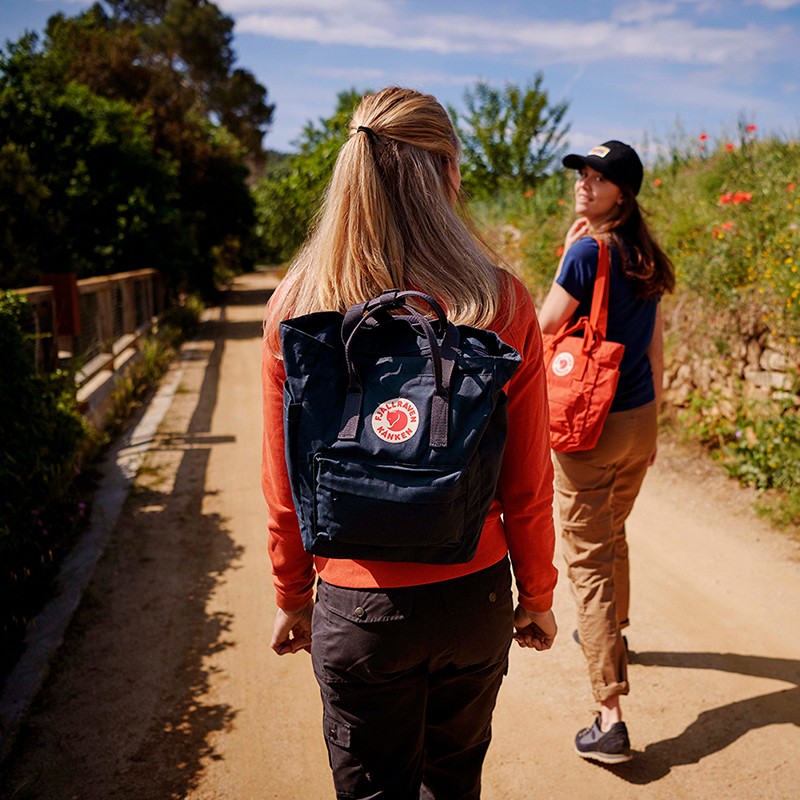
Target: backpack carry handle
(391, 300)
(364, 315)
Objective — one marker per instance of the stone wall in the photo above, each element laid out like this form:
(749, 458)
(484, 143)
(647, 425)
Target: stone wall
(726, 356)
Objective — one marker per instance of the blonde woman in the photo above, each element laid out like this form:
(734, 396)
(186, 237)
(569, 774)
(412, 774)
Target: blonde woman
(596, 488)
(410, 657)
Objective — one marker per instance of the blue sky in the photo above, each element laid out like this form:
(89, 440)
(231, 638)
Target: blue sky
(649, 72)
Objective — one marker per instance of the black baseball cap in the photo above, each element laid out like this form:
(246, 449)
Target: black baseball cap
(616, 160)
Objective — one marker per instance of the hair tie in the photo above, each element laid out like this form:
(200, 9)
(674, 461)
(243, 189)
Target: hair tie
(371, 133)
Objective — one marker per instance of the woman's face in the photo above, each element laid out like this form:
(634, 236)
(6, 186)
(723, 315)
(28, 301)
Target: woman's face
(596, 196)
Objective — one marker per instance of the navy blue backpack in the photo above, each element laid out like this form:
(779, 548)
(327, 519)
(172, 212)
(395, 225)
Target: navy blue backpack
(395, 427)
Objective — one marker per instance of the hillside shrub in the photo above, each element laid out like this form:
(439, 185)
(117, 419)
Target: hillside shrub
(727, 214)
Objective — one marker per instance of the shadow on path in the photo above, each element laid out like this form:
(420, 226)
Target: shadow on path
(122, 714)
(716, 728)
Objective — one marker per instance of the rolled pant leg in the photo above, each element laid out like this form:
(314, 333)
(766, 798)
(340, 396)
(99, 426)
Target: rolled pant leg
(588, 548)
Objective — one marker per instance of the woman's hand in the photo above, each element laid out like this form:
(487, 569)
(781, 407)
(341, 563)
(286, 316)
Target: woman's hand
(537, 630)
(577, 230)
(292, 630)
(559, 305)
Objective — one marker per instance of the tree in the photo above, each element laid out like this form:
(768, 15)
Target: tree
(191, 40)
(170, 62)
(81, 188)
(510, 136)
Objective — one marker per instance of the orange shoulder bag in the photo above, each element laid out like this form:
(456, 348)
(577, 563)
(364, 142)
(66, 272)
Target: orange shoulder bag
(582, 371)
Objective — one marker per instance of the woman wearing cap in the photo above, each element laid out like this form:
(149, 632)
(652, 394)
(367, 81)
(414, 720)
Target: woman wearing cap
(409, 656)
(596, 489)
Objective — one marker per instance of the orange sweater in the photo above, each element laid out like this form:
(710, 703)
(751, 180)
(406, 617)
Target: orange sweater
(520, 521)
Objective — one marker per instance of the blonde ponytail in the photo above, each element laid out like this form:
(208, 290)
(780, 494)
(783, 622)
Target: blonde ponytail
(388, 221)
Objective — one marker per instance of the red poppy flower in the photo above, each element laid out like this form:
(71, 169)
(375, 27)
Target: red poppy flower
(729, 147)
(735, 198)
(720, 229)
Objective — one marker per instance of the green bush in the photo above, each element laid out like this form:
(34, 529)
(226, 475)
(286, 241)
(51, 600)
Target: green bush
(288, 196)
(758, 446)
(43, 436)
(730, 223)
(765, 451)
(183, 318)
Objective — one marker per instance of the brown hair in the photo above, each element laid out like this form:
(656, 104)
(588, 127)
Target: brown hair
(388, 220)
(643, 260)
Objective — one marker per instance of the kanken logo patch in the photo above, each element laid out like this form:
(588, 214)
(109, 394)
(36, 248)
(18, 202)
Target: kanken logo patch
(562, 363)
(600, 151)
(395, 420)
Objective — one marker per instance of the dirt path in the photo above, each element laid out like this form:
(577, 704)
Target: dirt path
(166, 687)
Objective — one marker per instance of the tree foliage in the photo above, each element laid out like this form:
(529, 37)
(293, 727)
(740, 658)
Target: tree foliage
(288, 196)
(134, 147)
(168, 56)
(510, 136)
(81, 188)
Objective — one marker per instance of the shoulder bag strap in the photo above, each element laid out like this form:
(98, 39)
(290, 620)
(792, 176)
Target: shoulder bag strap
(598, 316)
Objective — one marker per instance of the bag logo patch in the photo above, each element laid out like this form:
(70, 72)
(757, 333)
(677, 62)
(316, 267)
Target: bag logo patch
(563, 363)
(395, 420)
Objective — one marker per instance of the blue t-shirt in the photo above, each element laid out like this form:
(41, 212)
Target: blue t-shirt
(631, 319)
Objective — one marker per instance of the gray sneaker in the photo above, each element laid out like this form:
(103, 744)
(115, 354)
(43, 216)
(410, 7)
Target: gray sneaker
(611, 747)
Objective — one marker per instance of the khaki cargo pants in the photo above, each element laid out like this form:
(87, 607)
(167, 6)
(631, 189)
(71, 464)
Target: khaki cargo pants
(596, 490)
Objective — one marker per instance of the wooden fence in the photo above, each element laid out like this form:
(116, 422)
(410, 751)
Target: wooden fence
(94, 325)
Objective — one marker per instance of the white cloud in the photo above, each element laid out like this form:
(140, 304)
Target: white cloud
(343, 29)
(349, 7)
(650, 35)
(702, 90)
(644, 11)
(775, 5)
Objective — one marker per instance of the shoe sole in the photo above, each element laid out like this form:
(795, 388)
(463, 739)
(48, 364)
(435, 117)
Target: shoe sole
(605, 758)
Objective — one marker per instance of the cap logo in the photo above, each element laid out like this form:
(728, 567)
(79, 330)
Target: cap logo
(601, 151)
(395, 420)
(563, 363)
